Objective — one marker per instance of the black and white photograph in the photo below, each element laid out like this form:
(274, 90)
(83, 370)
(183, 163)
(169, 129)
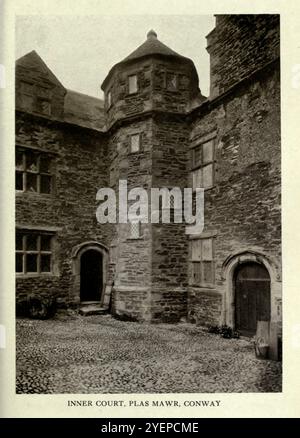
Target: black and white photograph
(148, 204)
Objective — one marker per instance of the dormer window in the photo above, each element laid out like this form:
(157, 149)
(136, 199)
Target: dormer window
(43, 104)
(132, 84)
(34, 98)
(26, 96)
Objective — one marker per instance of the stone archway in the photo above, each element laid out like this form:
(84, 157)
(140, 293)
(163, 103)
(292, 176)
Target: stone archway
(228, 273)
(89, 270)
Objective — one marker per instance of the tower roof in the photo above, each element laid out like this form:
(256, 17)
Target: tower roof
(151, 47)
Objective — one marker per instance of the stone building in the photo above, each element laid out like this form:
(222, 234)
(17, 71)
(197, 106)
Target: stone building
(156, 129)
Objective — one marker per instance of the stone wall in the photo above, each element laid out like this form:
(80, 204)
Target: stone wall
(133, 256)
(242, 210)
(169, 241)
(150, 275)
(31, 70)
(79, 169)
(239, 45)
(153, 92)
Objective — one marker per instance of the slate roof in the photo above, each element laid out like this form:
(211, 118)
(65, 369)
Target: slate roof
(79, 109)
(152, 46)
(83, 110)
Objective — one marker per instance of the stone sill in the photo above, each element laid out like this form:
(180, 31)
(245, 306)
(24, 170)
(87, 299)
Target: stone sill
(36, 195)
(205, 189)
(36, 275)
(195, 290)
(136, 93)
(206, 286)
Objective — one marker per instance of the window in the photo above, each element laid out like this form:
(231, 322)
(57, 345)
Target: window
(202, 260)
(43, 104)
(26, 96)
(33, 252)
(109, 100)
(33, 171)
(113, 254)
(132, 84)
(35, 98)
(171, 81)
(135, 230)
(135, 142)
(203, 165)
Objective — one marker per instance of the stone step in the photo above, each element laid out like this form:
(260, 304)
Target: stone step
(92, 309)
(89, 303)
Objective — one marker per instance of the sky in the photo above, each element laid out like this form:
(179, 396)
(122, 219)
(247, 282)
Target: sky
(80, 50)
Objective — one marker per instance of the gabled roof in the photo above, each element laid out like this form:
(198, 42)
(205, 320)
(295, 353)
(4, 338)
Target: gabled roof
(79, 109)
(33, 61)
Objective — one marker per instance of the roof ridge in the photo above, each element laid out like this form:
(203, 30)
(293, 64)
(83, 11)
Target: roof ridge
(84, 94)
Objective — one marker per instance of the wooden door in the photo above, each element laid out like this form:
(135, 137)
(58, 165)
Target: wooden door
(252, 297)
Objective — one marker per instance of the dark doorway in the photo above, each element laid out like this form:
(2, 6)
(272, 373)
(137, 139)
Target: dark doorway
(91, 275)
(252, 297)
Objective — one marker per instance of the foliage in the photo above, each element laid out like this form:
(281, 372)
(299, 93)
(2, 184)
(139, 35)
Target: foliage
(224, 331)
(41, 307)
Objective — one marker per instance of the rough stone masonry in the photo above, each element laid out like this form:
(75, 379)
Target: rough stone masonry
(156, 129)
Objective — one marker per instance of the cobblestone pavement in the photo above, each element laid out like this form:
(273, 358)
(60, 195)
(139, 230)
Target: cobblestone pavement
(98, 354)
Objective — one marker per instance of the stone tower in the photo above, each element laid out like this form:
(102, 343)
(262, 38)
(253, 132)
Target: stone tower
(147, 96)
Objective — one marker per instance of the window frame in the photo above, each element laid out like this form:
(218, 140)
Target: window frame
(39, 252)
(131, 93)
(197, 166)
(36, 97)
(109, 98)
(140, 236)
(135, 134)
(172, 90)
(201, 262)
(39, 174)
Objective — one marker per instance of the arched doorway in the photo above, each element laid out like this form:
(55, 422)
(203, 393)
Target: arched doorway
(252, 297)
(91, 275)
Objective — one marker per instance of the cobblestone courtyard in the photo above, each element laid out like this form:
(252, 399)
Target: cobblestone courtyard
(98, 354)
